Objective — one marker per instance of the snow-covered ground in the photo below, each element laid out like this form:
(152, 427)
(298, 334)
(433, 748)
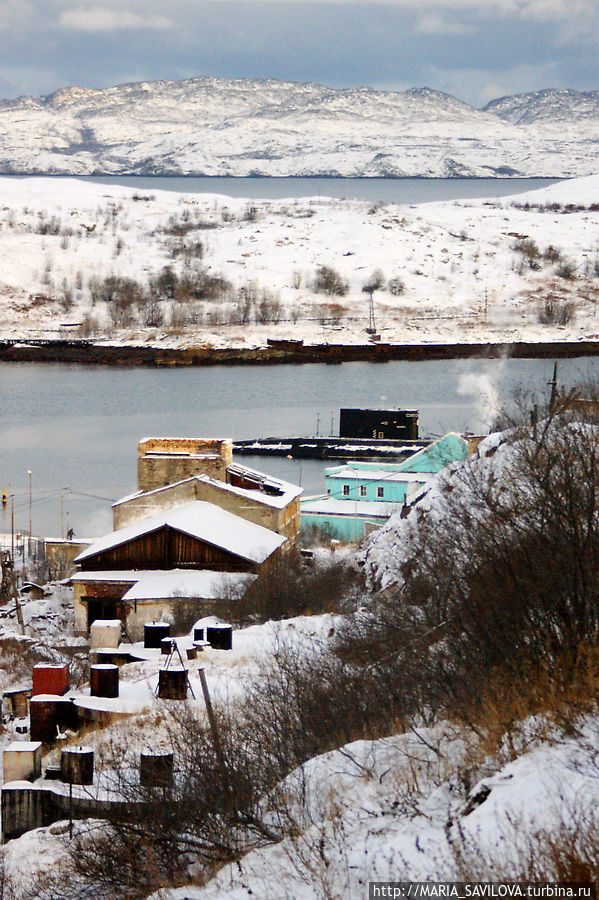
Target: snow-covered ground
(452, 272)
(395, 810)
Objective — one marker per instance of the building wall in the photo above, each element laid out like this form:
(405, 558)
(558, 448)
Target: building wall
(148, 504)
(182, 612)
(101, 590)
(284, 521)
(342, 528)
(163, 461)
(166, 548)
(394, 492)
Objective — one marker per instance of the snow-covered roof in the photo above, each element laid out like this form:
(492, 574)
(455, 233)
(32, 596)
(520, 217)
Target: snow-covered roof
(201, 520)
(355, 509)
(123, 576)
(350, 473)
(288, 491)
(187, 583)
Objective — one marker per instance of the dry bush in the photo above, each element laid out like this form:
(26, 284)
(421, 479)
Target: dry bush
(567, 852)
(288, 587)
(328, 281)
(499, 602)
(309, 702)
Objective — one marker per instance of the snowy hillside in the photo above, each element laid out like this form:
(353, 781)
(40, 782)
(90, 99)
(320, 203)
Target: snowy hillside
(209, 126)
(546, 106)
(188, 269)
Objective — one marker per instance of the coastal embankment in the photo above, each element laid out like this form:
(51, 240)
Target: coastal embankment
(84, 352)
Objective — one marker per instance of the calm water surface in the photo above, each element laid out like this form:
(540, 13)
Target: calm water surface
(389, 190)
(77, 428)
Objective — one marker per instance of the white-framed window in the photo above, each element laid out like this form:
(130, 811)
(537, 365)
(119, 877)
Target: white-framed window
(362, 490)
(346, 490)
(380, 492)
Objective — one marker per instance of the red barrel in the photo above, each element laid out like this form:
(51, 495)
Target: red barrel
(50, 678)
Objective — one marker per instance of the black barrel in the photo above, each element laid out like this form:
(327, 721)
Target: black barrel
(154, 632)
(172, 684)
(220, 637)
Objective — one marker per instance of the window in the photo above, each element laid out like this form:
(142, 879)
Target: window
(380, 492)
(346, 490)
(362, 490)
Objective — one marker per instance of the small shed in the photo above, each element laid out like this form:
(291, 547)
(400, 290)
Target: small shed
(22, 761)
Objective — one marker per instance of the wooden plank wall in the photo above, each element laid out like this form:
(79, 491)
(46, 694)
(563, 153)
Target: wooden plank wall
(167, 549)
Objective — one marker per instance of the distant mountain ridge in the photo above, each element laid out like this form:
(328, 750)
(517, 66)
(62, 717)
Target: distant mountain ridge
(211, 126)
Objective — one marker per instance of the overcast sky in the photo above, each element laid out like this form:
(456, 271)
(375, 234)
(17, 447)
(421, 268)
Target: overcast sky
(472, 49)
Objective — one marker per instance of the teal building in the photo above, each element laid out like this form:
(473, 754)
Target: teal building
(360, 496)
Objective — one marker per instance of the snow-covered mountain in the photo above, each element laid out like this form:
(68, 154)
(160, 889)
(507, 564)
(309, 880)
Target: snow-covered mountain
(209, 126)
(546, 106)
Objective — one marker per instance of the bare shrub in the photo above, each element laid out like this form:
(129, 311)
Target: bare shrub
(288, 588)
(529, 250)
(328, 281)
(566, 270)
(552, 254)
(374, 283)
(88, 326)
(202, 284)
(395, 286)
(556, 310)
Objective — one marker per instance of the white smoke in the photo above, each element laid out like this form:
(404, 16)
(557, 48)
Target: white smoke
(486, 397)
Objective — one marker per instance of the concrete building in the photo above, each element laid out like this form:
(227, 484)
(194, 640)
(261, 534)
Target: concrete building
(174, 471)
(360, 496)
(195, 534)
(266, 501)
(162, 461)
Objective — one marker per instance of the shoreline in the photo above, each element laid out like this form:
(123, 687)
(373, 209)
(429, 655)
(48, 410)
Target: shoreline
(82, 353)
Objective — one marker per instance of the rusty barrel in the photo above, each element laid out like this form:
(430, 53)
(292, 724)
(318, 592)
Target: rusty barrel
(172, 684)
(77, 765)
(104, 680)
(156, 768)
(49, 714)
(167, 644)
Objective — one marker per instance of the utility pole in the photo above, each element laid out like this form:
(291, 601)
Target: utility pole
(30, 531)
